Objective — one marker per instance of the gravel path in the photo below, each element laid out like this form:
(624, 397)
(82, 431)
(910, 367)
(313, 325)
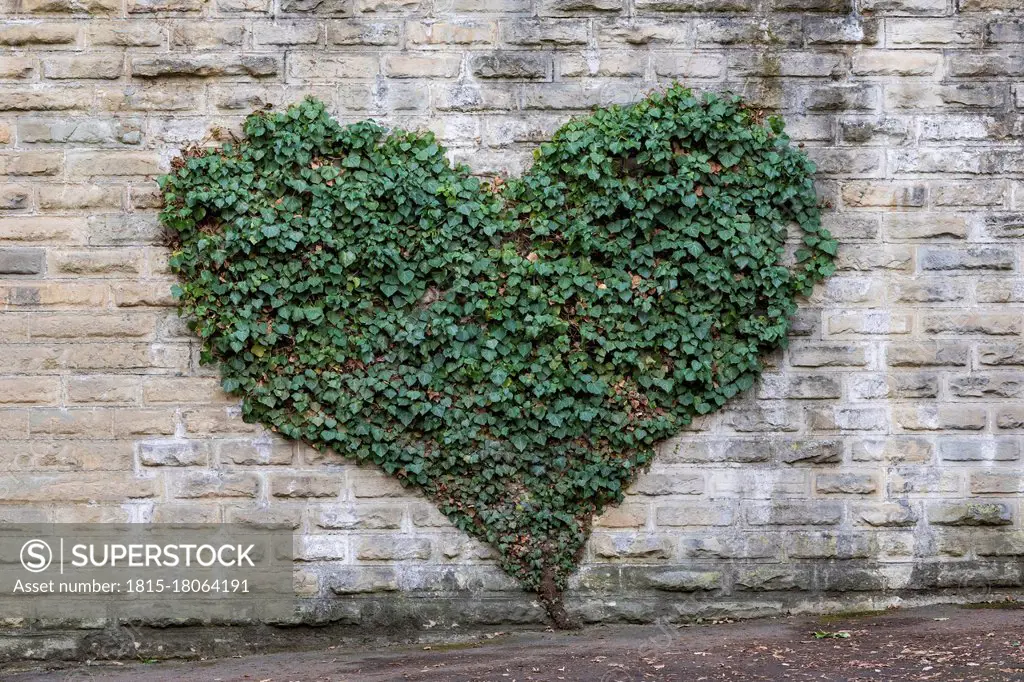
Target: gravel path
(938, 643)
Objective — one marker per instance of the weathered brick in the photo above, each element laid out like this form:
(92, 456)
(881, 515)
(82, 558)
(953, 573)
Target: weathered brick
(894, 385)
(15, 197)
(832, 355)
(202, 483)
(422, 66)
(465, 32)
(205, 66)
(543, 32)
(999, 482)
(973, 258)
(776, 31)
(969, 193)
(131, 34)
(757, 418)
(82, 487)
(14, 68)
(99, 388)
(174, 453)
(29, 390)
(924, 482)
(194, 35)
(42, 229)
(360, 517)
(669, 483)
(979, 449)
(30, 163)
(329, 68)
(99, 66)
(18, 261)
(286, 33)
(292, 486)
(847, 418)
(970, 514)
(993, 324)
(843, 31)
(888, 194)
(1001, 354)
(869, 323)
(948, 417)
(95, 131)
(96, 262)
(91, 325)
(695, 514)
(155, 6)
(794, 513)
(807, 386)
(29, 34)
(886, 514)
(392, 548)
(928, 96)
(511, 65)
(827, 545)
(951, 31)
(642, 547)
(928, 290)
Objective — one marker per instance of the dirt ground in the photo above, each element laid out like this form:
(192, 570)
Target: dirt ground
(946, 644)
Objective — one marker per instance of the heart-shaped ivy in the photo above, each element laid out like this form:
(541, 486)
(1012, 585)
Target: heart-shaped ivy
(514, 350)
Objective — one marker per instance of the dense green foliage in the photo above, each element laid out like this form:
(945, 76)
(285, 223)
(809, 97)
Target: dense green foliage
(513, 350)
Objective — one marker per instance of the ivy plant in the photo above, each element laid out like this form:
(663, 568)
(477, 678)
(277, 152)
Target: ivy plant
(512, 349)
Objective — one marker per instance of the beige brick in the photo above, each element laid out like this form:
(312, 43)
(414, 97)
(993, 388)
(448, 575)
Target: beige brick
(884, 194)
(892, 63)
(30, 163)
(422, 66)
(216, 420)
(626, 515)
(318, 67)
(296, 486)
(29, 390)
(81, 423)
(91, 325)
(14, 68)
(95, 262)
(71, 6)
(83, 165)
(53, 98)
(941, 418)
(99, 66)
(256, 452)
(128, 34)
(194, 35)
(143, 294)
(144, 422)
(72, 197)
(443, 33)
(392, 548)
(183, 390)
(202, 484)
(82, 487)
(46, 34)
(361, 32)
(992, 324)
(98, 388)
(361, 517)
(42, 229)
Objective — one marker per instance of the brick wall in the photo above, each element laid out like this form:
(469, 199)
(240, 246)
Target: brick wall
(879, 459)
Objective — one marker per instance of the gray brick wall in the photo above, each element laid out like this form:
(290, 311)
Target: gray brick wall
(879, 459)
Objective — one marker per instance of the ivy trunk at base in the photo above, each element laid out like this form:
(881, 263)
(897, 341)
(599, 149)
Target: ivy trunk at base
(513, 349)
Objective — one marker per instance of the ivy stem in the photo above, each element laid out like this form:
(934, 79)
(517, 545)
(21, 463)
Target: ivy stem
(552, 599)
